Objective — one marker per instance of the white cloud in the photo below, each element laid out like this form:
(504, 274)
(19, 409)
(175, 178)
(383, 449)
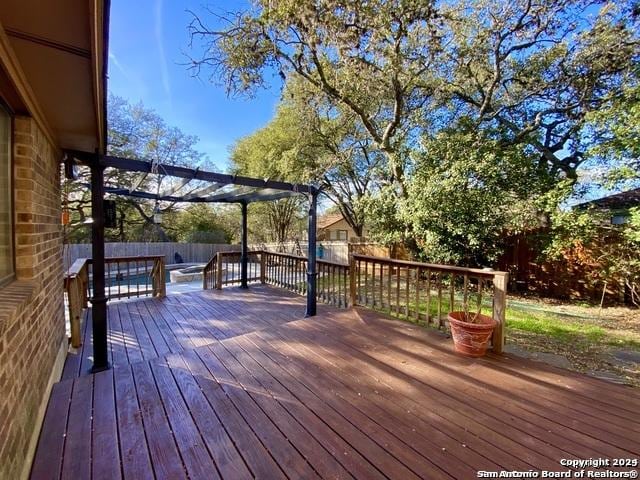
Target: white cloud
(158, 30)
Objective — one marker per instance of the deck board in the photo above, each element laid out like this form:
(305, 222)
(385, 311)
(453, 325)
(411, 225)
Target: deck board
(133, 447)
(237, 384)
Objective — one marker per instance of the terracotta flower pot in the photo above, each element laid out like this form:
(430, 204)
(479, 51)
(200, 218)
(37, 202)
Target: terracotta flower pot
(471, 339)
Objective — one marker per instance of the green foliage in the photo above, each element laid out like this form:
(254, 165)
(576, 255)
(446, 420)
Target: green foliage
(373, 59)
(134, 132)
(308, 141)
(465, 194)
(623, 260)
(607, 253)
(539, 69)
(382, 214)
(197, 223)
(632, 230)
(571, 228)
(275, 151)
(616, 137)
(445, 124)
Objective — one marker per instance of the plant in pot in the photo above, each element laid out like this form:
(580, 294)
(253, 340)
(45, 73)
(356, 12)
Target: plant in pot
(471, 332)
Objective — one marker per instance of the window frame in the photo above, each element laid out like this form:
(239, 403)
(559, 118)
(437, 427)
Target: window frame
(7, 279)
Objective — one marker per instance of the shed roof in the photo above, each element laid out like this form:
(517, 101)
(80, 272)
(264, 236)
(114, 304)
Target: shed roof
(329, 219)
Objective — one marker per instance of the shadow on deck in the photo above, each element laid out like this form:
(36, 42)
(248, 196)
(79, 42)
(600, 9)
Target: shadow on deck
(238, 384)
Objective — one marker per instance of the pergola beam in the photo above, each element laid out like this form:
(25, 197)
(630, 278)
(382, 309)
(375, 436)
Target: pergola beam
(139, 181)
(232, 198)
(132, 165)
(141, 194)
(264, 195)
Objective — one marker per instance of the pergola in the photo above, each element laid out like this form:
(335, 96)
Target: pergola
(219, 188)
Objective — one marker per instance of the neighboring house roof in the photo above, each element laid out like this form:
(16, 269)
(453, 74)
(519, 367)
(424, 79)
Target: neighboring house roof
(628, 199)
(327, 220)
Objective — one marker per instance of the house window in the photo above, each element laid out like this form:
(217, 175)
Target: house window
(619, 219)
(342, 235)
(6, 221)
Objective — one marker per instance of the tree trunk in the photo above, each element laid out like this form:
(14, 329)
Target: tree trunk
(396, 169)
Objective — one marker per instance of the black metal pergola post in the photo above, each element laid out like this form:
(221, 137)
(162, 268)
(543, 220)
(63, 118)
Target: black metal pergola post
(243, 247)
(311, 254)
(98, 300)
(245, 190)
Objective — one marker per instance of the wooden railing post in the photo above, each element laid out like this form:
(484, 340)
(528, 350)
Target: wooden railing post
(352, 281)
(263, 266)
(155, 291)
(500, 280)
(73, 285)
(219, 271)
(83, 278)
(162, 278)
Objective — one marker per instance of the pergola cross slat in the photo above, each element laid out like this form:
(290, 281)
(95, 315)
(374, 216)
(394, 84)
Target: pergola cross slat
(230, 195)
(201, 192)
(175, 188)
(247, 190)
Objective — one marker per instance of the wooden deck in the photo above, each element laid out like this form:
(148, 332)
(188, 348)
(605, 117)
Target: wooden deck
(238, 384)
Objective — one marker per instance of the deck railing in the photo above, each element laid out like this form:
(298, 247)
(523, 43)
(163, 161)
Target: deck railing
(425, 293)
(421, 292)
(76, 286)
(290, 272)
(139, 276)
(125, 277)
(282, 270)
(224, 269)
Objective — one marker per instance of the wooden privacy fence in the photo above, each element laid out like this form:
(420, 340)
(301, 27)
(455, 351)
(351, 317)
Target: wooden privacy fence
(331, 251)
(336, 251)
(125, 277)
(190, 252)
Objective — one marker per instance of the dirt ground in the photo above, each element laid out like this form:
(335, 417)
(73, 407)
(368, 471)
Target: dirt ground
(614, 355)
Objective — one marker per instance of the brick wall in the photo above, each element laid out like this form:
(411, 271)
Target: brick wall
(32, 328)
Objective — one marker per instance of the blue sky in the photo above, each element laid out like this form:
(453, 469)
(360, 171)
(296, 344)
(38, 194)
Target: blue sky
(147, 51)
(147, 45)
